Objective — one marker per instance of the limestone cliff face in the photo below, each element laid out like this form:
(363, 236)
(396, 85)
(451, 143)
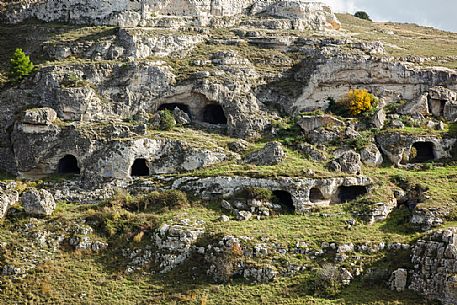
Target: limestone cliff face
(336, 75)
(315, 16)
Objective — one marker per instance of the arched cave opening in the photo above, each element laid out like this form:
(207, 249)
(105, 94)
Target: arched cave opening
(68, 165)
(173, 106)
(422, 152)
(316, 196)
(349, 193)
(285, 200)
(214, 114)
(140, 168)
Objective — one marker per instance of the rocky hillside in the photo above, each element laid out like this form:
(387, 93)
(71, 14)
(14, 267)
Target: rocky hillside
(225, 152)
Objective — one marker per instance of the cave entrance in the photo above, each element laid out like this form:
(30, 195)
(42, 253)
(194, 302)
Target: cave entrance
(173, 106)
(422, 152)
(140, 168)
(349, 193)
(316, 196)
(68, 165)
(285, 200)
(214, 114)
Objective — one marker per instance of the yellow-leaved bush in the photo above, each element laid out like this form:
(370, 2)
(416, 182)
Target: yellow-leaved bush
(359, 101)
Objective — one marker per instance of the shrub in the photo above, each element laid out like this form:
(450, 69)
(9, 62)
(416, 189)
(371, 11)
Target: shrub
(256, 193)
(362, 15)
(359, 101)
(452, 130)
(224, 265)
(170, 199)
(21, 65)
(328, 281)
(167, 120)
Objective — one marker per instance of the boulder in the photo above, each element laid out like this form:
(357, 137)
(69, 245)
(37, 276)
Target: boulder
(418, 106)
(309, 123)
(322, 136)
(379, 118)
(371, 156)
(7, 199)
(238, 146)
(175, 242)
(224, 218)
(262, 274)
(271, 154)
(398, 280)
(311, 152)
(426, 219)
(243, 215)
(39, 116)
(38, 202)
(181, 117)
(350, 161)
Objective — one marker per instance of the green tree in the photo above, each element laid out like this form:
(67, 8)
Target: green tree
(21, 65)
(362, 15)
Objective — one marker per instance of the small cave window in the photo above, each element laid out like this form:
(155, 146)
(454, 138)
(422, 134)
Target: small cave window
(173, 106)
(422, 152)
(214, 114)
(68, 165)
(285, 200)
(349, 193)
(316, 196)
(140, 168)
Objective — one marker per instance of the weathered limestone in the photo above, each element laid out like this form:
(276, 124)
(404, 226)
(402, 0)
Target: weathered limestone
(162, 156)
(398, 280)
(334, 76)
(39, 116)
(38, 202)
(171, 13)
(175, 243)
(435, 260)
(371, 155)
(8, 197)
(349, 161)
(443, 103)
(309, 123)
(271, 154)
(397, 146)
(107, 151)
(304, 15)
(299, 189)
(439, 101)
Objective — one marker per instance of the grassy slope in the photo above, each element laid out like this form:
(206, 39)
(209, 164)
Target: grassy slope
(88, 278)
(403, 40)
(78, 277)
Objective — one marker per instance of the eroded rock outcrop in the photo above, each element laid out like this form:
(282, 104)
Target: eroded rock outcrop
(8, 197)
(401, 148)
(435, 272)
(304, 192)
(289, 14)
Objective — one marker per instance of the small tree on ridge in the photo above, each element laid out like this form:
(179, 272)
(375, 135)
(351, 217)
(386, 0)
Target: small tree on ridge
(21, 65)
(362, 15)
